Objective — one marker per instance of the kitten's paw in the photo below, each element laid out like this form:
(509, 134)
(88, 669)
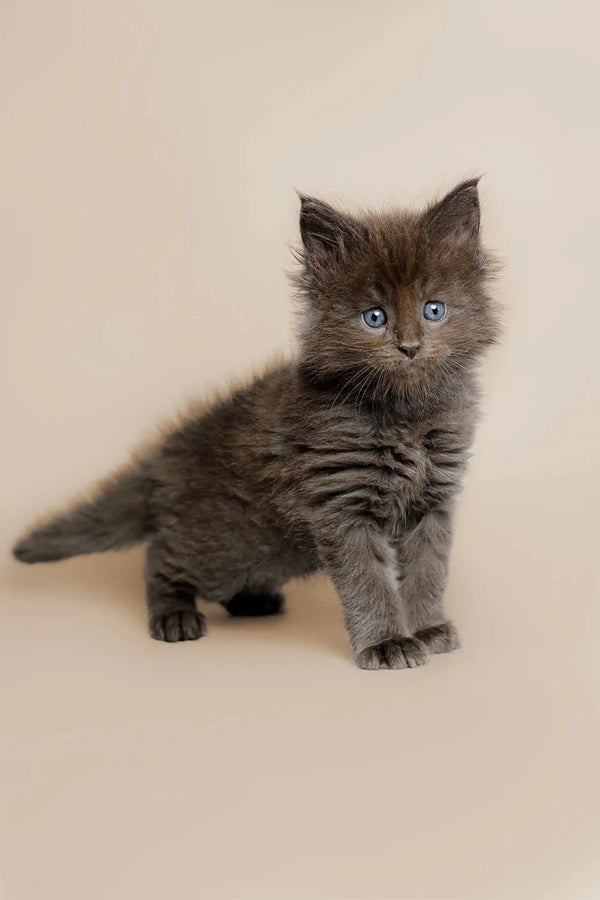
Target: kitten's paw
(178, 625)
(248, 604)
(440, 638)
(395, 653)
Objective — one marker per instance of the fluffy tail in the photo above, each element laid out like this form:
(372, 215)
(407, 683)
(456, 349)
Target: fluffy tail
(118, 515)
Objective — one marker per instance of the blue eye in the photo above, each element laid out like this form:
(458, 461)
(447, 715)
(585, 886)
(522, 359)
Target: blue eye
(374, 318)
(434, 311)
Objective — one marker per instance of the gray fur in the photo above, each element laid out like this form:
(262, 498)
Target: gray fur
(347, 459)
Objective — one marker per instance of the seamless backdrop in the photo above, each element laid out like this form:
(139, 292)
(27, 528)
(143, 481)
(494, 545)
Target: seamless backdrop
(150, 156)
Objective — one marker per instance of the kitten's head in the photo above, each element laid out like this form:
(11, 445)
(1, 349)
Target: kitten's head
(398, 297)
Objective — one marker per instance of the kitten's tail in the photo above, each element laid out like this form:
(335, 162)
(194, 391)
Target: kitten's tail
(117, 515)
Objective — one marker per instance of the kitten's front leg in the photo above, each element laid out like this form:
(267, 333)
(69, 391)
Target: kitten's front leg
(423, 565)
(362, 565)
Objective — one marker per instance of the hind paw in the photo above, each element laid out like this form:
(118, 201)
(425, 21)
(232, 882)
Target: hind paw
(179, 625)
(248, 604)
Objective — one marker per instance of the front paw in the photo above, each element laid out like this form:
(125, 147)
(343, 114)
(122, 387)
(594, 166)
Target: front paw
(440, 638)
(178, 625)
(394, 653)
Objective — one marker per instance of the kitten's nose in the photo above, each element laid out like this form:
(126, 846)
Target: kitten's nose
(410, 348)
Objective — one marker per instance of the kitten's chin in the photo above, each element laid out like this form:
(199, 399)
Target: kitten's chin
(410, 369)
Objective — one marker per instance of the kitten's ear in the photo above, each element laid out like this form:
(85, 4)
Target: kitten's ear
(455, 219)
(327, 233)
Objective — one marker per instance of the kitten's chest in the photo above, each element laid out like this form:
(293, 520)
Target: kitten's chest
(393, 475)
(441, 454)
(403, 470)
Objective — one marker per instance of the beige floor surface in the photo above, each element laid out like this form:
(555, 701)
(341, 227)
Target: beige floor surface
(149, 156)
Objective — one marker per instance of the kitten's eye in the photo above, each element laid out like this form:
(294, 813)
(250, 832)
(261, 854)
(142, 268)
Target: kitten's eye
(374, 318)
(434, 311)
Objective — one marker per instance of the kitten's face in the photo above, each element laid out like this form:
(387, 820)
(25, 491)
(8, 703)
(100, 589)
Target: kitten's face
(397, 297)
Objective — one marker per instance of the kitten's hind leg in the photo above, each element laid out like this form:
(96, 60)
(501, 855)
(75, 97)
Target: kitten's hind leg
(255, 601)
(171, 600)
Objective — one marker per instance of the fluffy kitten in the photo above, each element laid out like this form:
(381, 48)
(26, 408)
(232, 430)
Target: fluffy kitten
(347, 459)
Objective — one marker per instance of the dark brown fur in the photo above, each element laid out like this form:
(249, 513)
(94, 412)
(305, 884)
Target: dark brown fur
(346, 459)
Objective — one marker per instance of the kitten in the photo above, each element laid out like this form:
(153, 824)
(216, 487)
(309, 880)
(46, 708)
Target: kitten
(346, 459)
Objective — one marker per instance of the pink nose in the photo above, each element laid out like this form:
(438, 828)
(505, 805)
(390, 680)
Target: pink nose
(410, 349)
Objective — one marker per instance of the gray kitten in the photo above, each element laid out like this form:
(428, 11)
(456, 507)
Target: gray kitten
(346, 459)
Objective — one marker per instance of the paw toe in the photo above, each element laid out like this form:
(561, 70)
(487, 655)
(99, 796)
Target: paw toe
(192, 625)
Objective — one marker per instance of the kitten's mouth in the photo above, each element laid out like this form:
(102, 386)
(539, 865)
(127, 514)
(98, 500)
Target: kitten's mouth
(409, 366)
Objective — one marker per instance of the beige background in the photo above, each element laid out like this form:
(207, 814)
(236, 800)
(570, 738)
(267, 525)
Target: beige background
(149, 156)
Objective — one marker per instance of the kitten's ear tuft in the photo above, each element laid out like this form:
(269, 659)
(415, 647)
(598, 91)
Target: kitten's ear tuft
(455, 218)
(325, 232)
